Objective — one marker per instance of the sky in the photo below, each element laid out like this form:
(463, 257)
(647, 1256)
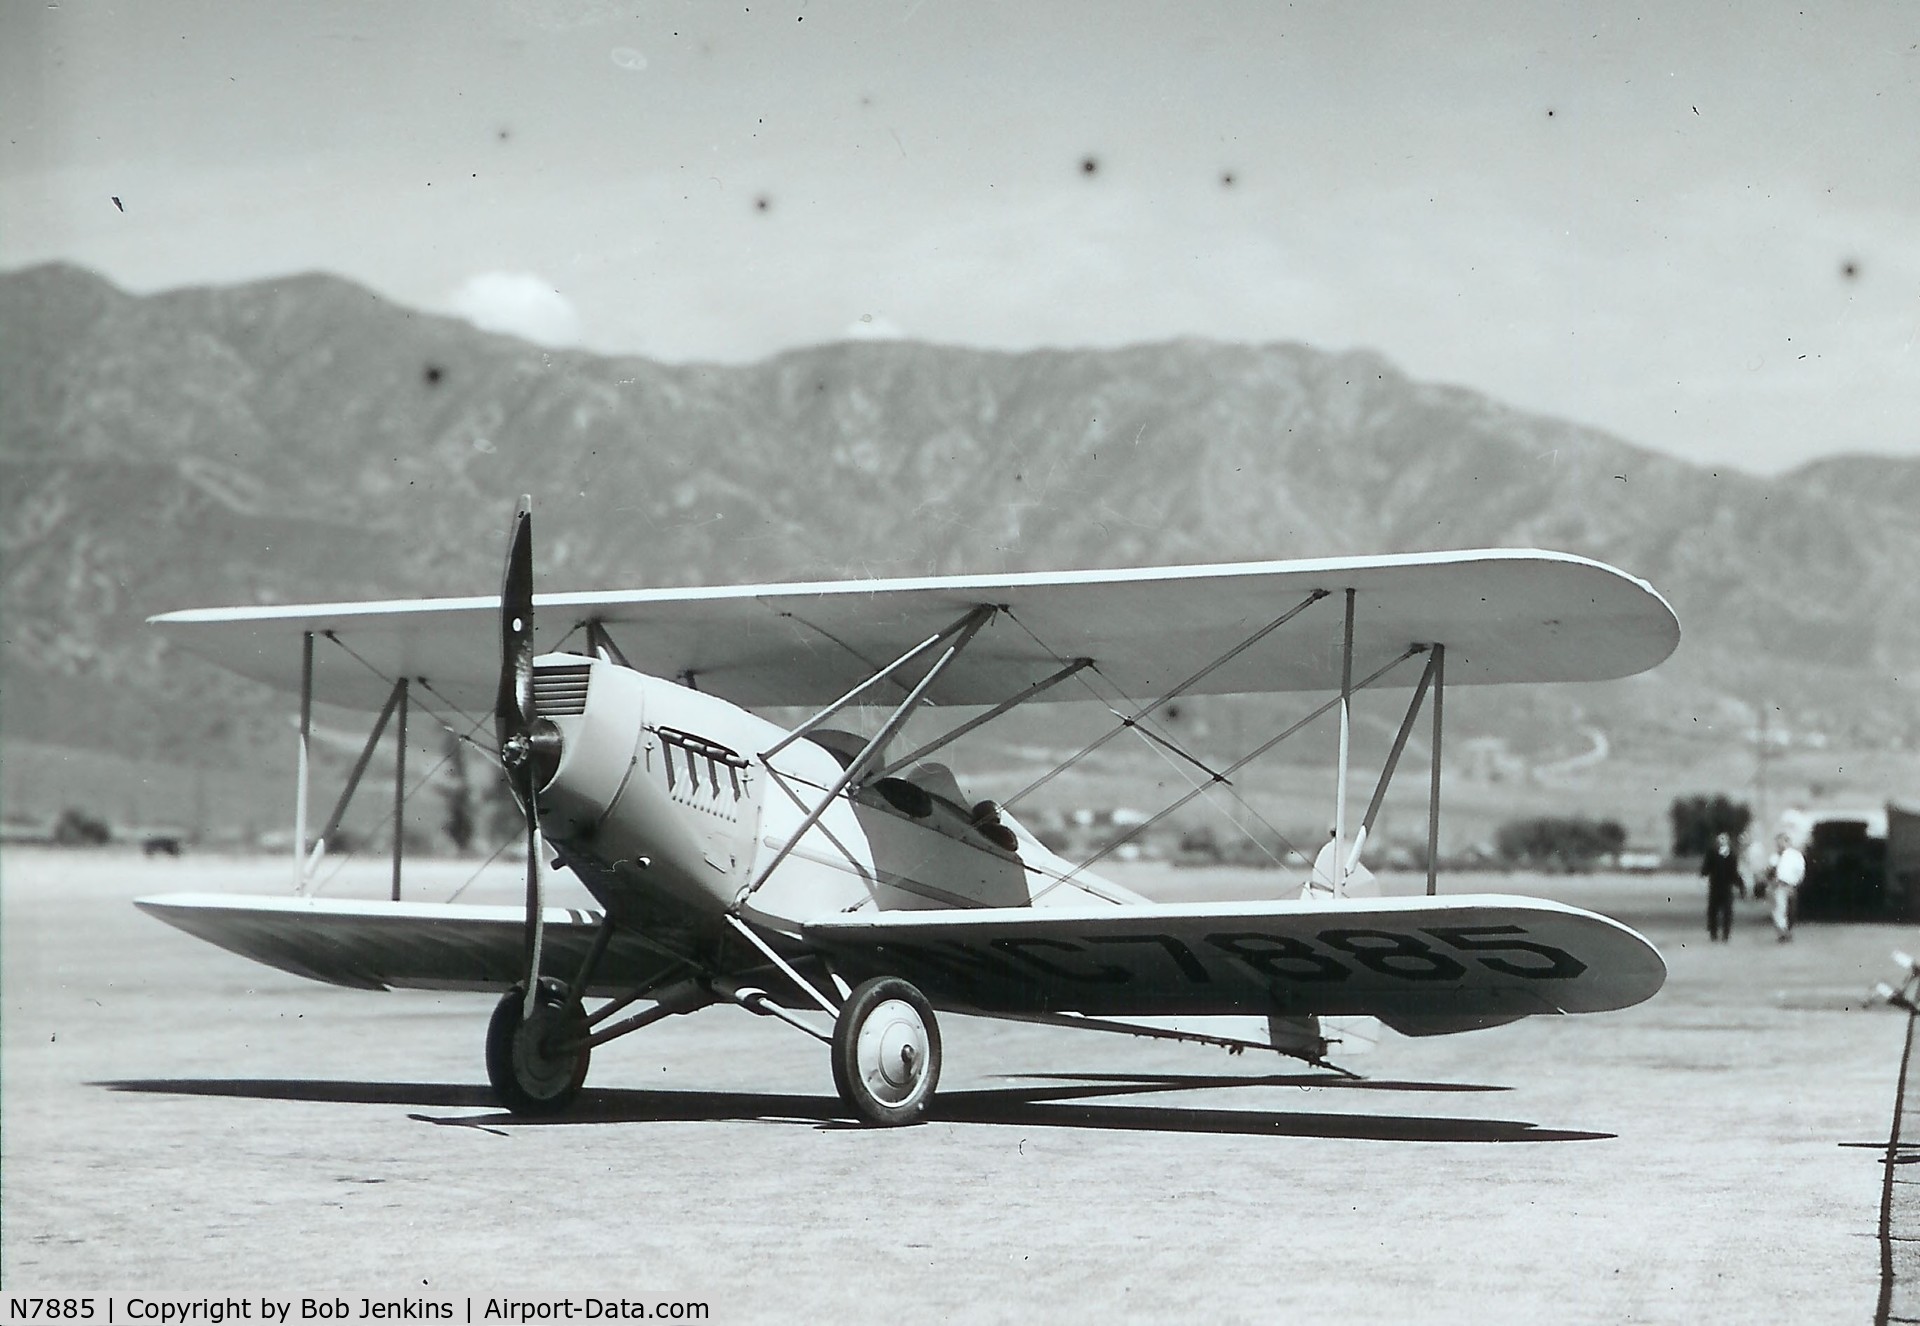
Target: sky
(1694, 225)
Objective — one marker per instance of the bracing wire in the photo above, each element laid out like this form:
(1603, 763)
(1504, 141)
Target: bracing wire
(1254, 754)
(481, 869)
(1141, 725)
(341, 860)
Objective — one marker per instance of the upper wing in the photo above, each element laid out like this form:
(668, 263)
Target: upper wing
(383, 945)
(1422, 965)
(1504, 615)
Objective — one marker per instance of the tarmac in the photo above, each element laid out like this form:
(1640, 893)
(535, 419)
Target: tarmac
(176, 1121)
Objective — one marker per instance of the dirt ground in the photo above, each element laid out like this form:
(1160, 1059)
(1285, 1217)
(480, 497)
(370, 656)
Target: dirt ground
(176, 1120)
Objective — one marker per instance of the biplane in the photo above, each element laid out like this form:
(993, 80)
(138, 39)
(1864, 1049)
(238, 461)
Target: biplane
(845, 883)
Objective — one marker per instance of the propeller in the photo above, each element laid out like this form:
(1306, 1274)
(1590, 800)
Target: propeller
(514, 718)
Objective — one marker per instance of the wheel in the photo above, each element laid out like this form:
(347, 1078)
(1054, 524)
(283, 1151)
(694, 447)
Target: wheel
(527, 1076)
(886, 1052)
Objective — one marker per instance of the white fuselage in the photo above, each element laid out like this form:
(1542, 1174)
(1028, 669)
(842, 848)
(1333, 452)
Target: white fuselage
(663, 798)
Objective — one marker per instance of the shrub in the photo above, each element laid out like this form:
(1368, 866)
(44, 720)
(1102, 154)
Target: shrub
(1697, 819)
(76, 828)
(1565, 842)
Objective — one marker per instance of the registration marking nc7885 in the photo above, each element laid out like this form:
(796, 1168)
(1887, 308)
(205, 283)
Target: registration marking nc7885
(1334, 954)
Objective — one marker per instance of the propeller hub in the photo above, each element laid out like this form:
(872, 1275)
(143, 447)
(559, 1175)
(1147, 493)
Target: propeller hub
(538, 748)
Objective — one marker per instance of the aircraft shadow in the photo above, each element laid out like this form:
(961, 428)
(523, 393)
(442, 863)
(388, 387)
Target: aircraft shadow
(348, 1093)
(1188, 1081)
(1066, 1106)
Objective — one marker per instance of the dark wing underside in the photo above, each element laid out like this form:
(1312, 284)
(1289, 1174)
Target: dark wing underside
(1422, 965)
(390, 945)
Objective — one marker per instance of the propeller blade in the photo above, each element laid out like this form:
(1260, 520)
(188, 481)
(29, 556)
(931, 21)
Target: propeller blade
(536, 909)
(513, 716)
(513, 704)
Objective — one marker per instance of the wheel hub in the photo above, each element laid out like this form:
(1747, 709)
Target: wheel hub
(892, 1051)
(541, 1072)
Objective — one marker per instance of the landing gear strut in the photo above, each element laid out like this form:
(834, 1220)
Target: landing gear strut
(886, 1052)
(536, 1064)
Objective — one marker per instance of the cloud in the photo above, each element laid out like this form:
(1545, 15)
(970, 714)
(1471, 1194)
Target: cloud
(518, 304)
(873, 327)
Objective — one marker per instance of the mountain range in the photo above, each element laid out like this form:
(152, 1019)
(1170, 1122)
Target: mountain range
(305, 439)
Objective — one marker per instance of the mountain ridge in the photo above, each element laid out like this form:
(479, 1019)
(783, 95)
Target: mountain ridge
(304, 439)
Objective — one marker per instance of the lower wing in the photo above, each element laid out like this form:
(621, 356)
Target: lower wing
(1424, 966)
(385, 945)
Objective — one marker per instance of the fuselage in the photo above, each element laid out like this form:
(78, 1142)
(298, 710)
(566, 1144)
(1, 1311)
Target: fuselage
(665, 804)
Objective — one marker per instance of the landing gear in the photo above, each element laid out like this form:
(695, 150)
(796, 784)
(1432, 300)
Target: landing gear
(528, 1060)
(886, 1052)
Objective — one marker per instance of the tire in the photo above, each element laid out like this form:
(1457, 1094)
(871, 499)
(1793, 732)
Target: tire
(886, 1052)
(525, 1077)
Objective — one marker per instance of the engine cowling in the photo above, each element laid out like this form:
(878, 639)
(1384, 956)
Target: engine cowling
(650, 778)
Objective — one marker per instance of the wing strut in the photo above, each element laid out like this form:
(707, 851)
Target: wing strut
(968, 624)
(1044, 684)
(1120, 841)
(396, 700)
(1340, 866)
(300, 779)
(1433, 793)
(602, 645)
(962, 633)
(1393, 761)
(786, 968)
(1434, 676)
(399, 781)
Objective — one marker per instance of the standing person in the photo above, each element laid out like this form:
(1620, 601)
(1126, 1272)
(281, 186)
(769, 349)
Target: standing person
(1722, 869)
(1789, 872)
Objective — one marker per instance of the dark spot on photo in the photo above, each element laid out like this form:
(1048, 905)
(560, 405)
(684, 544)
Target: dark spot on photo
(1850, 269)
(1089, 165)
(763, 204)
(432, 374)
